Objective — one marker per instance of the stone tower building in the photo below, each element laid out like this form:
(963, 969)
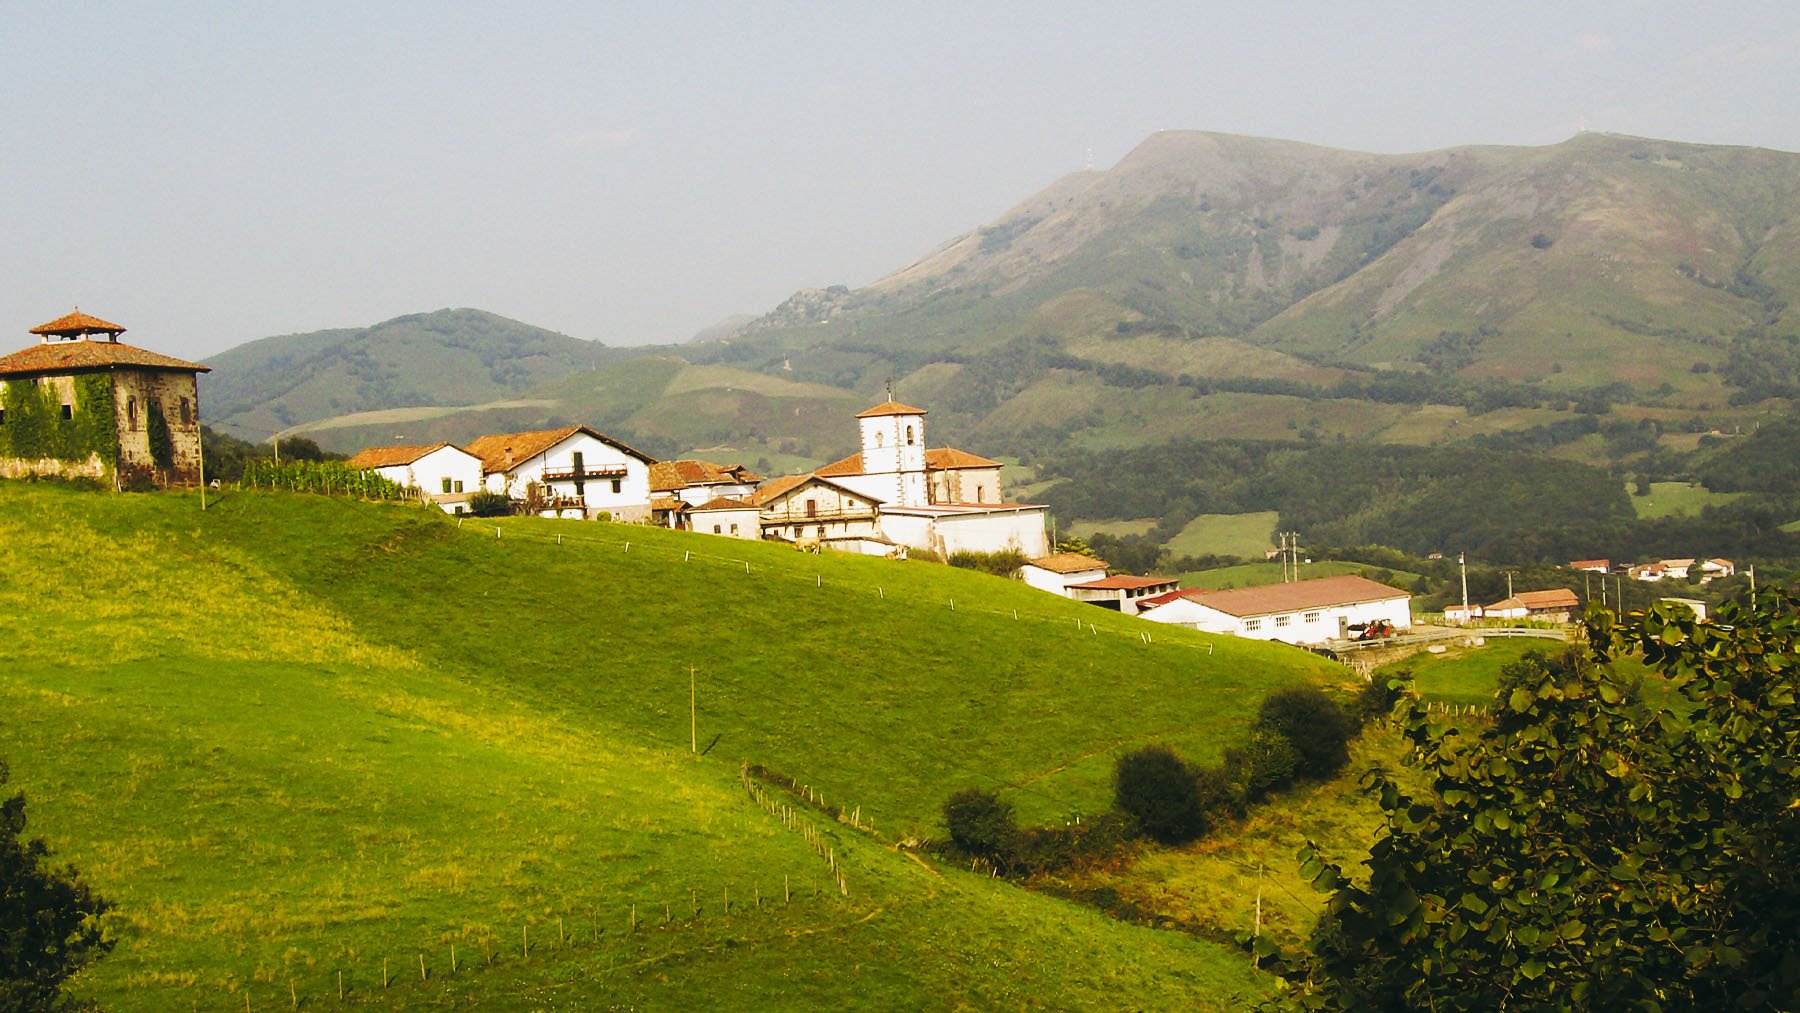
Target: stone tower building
(82, 403)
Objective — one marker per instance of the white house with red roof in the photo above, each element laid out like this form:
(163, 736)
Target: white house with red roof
(444, 473)
(676, 487)
(568, 472)
(1300, 612)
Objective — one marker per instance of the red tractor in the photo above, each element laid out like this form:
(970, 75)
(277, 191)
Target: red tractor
(1375, 630)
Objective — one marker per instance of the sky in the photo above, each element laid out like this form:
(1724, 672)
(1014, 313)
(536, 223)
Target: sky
(207, 174)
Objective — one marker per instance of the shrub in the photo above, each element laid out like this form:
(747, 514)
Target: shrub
(1375, 701)
(981, 823)
(1267, 762)
(49, 918)
(1315, 724)
(490, 504)
(1004, 563)
(1072, 845)
(1157, 789)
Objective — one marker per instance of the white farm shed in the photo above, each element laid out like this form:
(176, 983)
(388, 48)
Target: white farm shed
(1302, 612)
(1056, 573)
(442, 472)
(946, 528)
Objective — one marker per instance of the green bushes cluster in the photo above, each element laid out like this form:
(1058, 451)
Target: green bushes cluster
(490, 504)
(982, 825)
(1299, 732)
(1004, 563)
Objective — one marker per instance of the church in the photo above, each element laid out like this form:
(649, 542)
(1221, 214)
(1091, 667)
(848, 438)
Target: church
(939, 500)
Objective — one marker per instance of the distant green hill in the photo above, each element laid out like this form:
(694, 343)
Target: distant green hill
(426, 362)
(295, 737)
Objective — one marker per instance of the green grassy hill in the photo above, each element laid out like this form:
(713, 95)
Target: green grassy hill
(433, 363)
(295, 737)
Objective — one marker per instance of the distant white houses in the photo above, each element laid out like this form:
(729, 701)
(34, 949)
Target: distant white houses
(1301, 612)
(892, 495)
(1462, 613)
(568, 472)
(444, 474)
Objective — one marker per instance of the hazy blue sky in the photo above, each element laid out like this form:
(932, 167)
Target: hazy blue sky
(206, 174)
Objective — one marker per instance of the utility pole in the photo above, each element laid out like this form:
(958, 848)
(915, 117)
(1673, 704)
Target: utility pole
(1462, 560)
(693, 718)
(1509, 577)
(202, 475)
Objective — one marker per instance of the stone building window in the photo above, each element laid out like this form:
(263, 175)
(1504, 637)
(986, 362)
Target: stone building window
(68, 411)
(131, 413)
(187, 412)
(909, 436)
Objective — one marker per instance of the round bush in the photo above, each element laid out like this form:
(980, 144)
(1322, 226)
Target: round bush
(981, 823)
(1158, 790)
(1316, 725)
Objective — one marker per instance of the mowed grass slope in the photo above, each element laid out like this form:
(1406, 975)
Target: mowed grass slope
(296, 736)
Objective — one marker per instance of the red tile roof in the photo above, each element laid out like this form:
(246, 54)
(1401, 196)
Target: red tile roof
(1303, 594)
(1068, 562)
(69, 356)
(941, 459)
(851, 465)
(667, 476)
(78, 323)
(1555, 598)
(890, 408)
(387, 457)
(1124, 582)
(949, 458)
(504, 451)
(724, 503)
(1591, 564)
(777, 487)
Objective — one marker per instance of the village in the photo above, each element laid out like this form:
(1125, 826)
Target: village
(81, 403)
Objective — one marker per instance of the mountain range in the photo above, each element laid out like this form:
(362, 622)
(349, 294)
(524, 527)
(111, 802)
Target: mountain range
(1207, 286)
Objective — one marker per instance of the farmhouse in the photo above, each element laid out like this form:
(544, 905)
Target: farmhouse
(1301, 612)
(726, 515)
(678, 486)
(82, 403)
(1555, 605)
(1592, 565)
(568, 472)
(812, 511)
(443, 473)
(1462, 613)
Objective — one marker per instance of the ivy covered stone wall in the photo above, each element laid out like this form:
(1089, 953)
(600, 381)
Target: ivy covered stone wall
(34, 429)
